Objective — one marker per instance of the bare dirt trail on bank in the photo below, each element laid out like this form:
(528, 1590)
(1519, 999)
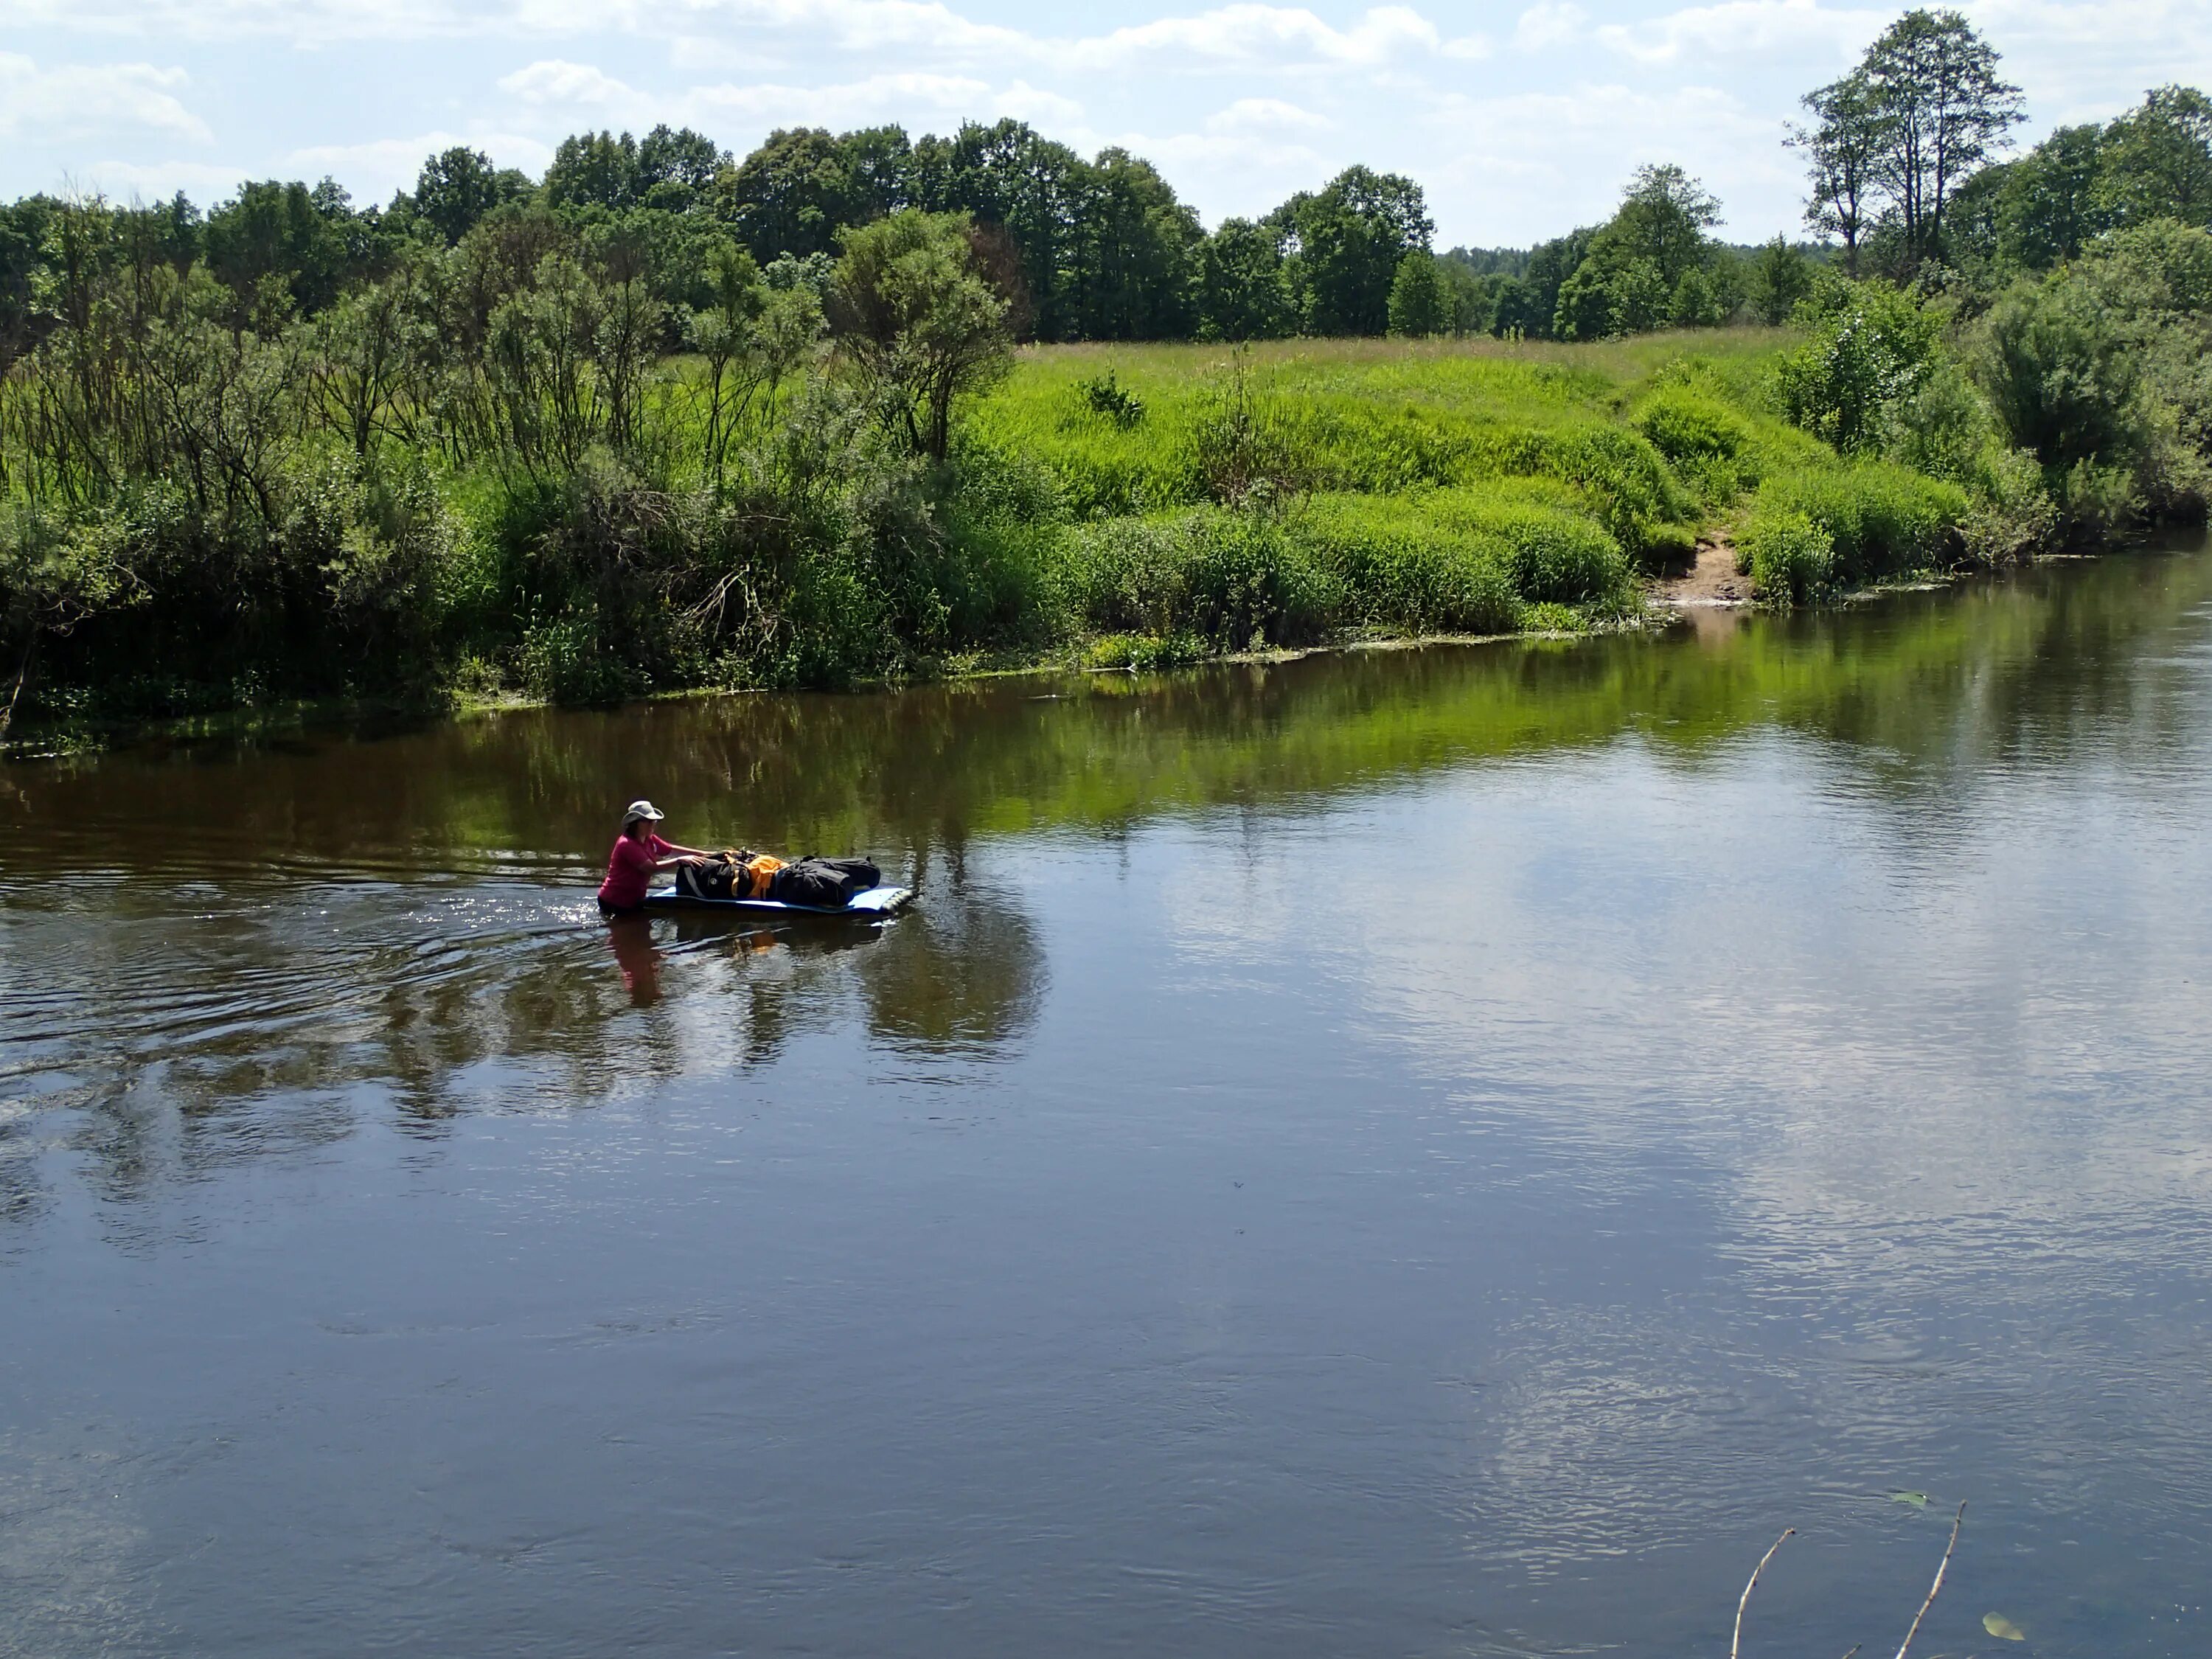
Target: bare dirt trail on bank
(1712, 581)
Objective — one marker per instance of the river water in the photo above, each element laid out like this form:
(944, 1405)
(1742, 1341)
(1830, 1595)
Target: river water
(1417, 1153)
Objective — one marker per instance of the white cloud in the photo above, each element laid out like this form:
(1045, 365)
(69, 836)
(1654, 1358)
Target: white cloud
(1550, 23)
(79, 98)
(150, 181)
(1048, 112)
(1265, 115)
(554, 81)
(903, 25)
(1248, 33)
(1745, 28)
(305, 22)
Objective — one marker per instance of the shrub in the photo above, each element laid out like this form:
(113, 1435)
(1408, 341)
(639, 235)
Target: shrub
(1234, 579)
(1004, 520)
(1709, 443)
(1868, 345)
(1553, 556)
(1790, 558)
(1881, 519)
(2063, 371)
(1399, 569)
(1686, 425)
(565, 660)
(1942, 427)
(1103, 394)
(2012, 516)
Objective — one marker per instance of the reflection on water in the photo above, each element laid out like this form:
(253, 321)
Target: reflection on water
(1431, 1151)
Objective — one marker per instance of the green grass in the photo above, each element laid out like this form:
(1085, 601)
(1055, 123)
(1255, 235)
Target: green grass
(1292, 490)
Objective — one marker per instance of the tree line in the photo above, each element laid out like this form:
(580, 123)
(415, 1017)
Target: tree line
(1902, 157)
(1084, 249)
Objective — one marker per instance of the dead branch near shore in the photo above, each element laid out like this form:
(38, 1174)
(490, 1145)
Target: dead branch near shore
(1942, 1567)
(1735, 1643)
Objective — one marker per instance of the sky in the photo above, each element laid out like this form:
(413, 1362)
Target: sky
(1521, 121)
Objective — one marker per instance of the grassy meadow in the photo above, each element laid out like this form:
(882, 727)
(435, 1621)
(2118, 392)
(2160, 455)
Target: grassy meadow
(1177, 501)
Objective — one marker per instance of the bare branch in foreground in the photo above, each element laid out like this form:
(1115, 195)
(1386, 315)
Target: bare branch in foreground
(1942, 1567)
(1744, 1601)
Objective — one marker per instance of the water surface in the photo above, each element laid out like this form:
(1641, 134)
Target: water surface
(1419, 1152)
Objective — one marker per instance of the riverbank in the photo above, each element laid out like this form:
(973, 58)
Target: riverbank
(1123, 506)
(1666, 603)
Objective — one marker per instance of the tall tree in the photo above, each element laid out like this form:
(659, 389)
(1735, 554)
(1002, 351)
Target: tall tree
(1663, 217)
(1420, 305)
(458, 186)
(1842, 148)
(1349, 238)
(2053, 200)
(1013, 179)
(1241, 292)
(2159, 159)
(275, 232)
(804, 185)
(595, 169)
(1134, 253)
(676, 166)
(1532, 305)
(1942, 112)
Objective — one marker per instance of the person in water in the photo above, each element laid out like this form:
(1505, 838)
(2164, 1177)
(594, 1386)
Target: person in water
(640, 853)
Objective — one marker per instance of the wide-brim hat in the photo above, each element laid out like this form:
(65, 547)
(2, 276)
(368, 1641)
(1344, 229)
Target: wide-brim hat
(641, 809)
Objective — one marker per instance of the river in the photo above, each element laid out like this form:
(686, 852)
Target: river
(1409, 1152)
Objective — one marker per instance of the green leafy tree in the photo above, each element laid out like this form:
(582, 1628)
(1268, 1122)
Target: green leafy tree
(1241, 293)
(1420, 305)
(457, 187)
(1780, 275)
(2059, 363)
(1697, 302)
(1941, 111)
(1470, 297)
(676, 167)
(1868, 346)
(794, 193)
(1029, 190)
(912, 308)
(1533, 305)
(2158, 159)
(1588, 304)
(2054, 199)
(1843, 150)
(274, 234)
(1635, 263)
(595, 169)
(1663, 217)
(1133, 254)
(1349, 239)
(370, 347)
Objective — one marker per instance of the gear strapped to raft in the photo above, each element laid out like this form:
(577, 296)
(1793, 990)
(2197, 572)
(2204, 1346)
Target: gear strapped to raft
(819, 884)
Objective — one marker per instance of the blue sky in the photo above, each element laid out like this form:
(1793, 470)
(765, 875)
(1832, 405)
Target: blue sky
(1520, 120)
